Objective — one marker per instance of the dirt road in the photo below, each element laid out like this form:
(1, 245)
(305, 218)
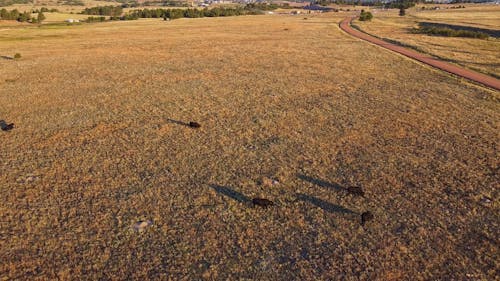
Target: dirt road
(469, 74)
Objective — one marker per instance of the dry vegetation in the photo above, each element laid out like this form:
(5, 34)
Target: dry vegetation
(291, 110)
(476, 54)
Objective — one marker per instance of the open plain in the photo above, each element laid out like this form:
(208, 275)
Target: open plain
(477, 55)
(291, 109)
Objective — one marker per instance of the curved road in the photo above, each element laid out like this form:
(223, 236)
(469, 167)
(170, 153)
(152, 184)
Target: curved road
(469, 74)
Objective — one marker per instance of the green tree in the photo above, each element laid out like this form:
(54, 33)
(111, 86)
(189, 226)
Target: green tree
(365, 16)
(41, 17)
(24, 17)
(4, 14)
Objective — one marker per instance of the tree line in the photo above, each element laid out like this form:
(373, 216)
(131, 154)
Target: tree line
(45, 10)
(103, 11)
(21, 17)
(116, 11)
(249, 9)
(170, 14)
(192, 13)
(378, 3)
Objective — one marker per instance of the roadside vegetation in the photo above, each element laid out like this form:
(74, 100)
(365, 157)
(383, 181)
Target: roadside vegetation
(448, 32)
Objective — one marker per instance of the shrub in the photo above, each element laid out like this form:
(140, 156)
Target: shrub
(17, 56)
(40, 17)
(365, 16)
(24, 17)
(95, 19)
(402, 11)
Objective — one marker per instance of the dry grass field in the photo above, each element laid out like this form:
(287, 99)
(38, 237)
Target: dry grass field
(476, 54)
(292, 110)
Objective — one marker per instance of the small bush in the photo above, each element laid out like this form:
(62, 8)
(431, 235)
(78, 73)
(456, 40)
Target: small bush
(17, 56)
(95, 19)
(365, 16)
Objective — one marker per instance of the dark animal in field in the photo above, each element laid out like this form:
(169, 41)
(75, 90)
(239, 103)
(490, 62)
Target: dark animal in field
(194, 124)
(261, 202)
(6, 127)
(366, 217)
(356, 190)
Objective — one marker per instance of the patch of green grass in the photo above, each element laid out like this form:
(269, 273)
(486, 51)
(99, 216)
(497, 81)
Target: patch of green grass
(59, 25)
(27, 38)
(21, 38)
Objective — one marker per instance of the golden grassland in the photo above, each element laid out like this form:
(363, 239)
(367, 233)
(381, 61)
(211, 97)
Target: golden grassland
(476, 54)
(61, 17)
(98, 146)
(481, 15)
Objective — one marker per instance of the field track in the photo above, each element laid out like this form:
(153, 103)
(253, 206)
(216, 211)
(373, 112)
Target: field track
(486, 80)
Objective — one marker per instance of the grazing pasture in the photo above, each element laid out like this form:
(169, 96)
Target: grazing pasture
(375, 167)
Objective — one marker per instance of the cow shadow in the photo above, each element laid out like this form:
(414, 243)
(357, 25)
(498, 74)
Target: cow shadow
(322, 183)
(235, 195)
(178, 122)
(326, 206)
